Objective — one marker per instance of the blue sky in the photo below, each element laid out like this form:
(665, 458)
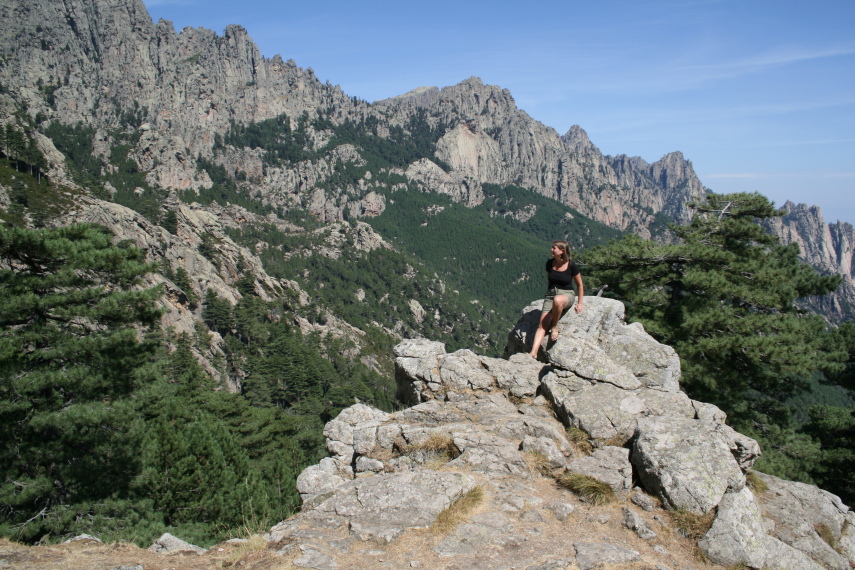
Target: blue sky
(760, 96)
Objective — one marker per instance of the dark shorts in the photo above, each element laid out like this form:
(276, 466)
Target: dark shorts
(550, 295)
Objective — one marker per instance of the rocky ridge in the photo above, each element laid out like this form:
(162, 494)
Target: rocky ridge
(495, 142)
(500, 430)
(220, 271)
(830, 248)
(99, 59)
(108, 65)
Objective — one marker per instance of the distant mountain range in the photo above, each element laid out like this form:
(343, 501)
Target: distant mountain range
(140, 112)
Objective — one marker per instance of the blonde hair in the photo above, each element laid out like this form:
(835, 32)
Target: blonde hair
(565, 250)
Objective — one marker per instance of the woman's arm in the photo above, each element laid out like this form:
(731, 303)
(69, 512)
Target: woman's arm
(581, 294)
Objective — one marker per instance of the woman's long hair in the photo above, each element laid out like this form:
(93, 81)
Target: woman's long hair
(565, 250)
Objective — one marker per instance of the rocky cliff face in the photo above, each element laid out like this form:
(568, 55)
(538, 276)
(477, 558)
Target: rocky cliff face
(495, 435)
(107, 64)
(830, 248)
(97, 60)
(495, 142)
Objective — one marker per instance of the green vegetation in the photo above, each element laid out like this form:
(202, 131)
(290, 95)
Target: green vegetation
(67, 348)
(31, 198)
(551, 220)
(755, 483)
(724, 297)
(404, 145)
(284, 146)
(385, 280)
(283, 369)
(75, 142)
(281, 145)
(19, 149)
(121, 173)
(111, 427)
(834, 466)
(223, 191)
(494, 259)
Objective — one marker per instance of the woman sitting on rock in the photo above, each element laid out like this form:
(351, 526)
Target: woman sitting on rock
(561, 273)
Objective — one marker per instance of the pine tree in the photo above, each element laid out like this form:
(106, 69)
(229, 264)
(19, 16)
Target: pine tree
(217, 313)
(724, 297)
(834, 428)
(69, 355)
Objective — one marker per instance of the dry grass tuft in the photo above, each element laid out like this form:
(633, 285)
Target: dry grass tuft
(595, 491)
(580, 441)
(618, 440)
(537, 462)
(454, 513)
(692, 525)
(755, 483)
(382, 454)
(439, 444)
(825, 534)
(246, 550)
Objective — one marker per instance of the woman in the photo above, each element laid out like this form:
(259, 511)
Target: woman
(561, 273)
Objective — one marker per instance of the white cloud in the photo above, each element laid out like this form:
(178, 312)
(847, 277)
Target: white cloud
(732, 175)
(777, 58)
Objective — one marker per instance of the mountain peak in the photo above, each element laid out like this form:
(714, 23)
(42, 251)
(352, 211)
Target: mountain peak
(576, 135)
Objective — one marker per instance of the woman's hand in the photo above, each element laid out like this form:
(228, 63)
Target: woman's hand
(578, 308)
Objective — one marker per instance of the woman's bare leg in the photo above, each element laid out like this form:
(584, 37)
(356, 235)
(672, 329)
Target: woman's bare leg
(542, 325)
(559, 304)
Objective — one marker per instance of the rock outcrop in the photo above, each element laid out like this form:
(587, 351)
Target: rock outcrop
(492, 141)
(105, 63)
(499, 430)
(830, 248)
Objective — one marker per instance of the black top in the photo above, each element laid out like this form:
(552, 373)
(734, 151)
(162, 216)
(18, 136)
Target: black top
(561, 279)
